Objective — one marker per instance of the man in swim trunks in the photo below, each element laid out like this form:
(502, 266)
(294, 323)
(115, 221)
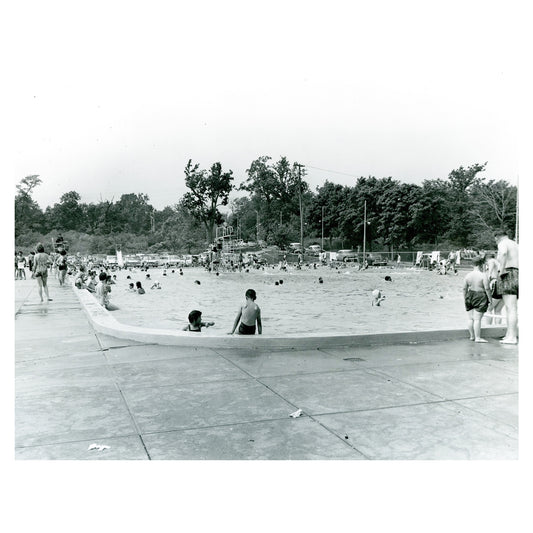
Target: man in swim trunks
(477, 298)
(508, 283)
(248, 315)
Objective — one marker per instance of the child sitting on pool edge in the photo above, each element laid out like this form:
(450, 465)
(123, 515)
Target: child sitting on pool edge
(248, 314)
(195, 322)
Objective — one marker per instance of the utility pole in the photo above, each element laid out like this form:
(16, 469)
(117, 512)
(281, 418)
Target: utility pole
(322, 228)
(152, 221)
(301, 210)
(257, 227)
(364, 235)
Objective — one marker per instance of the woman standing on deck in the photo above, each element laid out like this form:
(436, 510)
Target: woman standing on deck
(40, 268)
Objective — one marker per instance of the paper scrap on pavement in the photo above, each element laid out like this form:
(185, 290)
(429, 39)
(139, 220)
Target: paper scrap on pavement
(296, 414)
(98, 447)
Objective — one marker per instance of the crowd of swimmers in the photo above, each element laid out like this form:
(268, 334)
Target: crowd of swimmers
(491, 286)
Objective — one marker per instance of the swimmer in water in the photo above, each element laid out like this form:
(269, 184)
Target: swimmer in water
(195, 322)
(156, 285)
(377, 297)
(388, 278)
(248, 315)
(140, 289)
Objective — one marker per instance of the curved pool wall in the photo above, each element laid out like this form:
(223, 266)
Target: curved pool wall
(103, 322)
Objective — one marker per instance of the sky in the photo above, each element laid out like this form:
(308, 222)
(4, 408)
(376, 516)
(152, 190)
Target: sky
(115, 97)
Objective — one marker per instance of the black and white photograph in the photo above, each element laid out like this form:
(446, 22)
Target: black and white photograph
(272, 241)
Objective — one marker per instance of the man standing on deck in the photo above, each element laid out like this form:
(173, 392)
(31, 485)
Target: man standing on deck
(508, 283)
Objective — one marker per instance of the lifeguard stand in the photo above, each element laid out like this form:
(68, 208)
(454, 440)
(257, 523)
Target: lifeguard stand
(225, 239)
(59, 244)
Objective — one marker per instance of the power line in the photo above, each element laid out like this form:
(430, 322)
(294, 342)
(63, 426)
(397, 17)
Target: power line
(332, 171)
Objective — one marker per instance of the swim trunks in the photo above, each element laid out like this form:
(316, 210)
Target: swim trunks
(476, 300)
(509, 282)
(496, 291)
(246, 330)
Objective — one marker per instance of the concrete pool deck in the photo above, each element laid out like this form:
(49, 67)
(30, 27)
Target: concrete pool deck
(75, 386)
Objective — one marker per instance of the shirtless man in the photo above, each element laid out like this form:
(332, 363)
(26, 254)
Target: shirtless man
(248, 314)
(477, 298)
(508, 283)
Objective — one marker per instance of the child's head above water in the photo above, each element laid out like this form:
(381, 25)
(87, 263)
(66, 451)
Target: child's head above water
(195, 317)
(250, 293)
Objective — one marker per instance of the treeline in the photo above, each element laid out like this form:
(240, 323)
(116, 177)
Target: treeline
(461, 210)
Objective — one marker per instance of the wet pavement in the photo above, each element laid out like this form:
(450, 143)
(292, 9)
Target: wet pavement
(75, 387)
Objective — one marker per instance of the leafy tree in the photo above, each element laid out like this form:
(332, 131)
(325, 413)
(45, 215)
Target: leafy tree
(208, 190)
(28, 214)
(133, 213)
(332, 197)
(460, 204)
(68, 214)
(494, 205)
(395, 220)
(179, 231)
(352, 213)
(429, 214)
(275, 191)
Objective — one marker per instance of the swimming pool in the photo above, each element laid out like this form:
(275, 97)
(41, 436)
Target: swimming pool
(416, 300)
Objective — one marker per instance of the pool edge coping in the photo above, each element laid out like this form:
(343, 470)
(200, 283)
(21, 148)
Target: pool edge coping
(103, 322)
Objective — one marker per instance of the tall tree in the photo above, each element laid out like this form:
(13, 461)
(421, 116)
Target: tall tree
(461, 183)
(430, 215)
(395, 217)
(134, 211)
(69, 213)
(28, 214)
(332, 197)
(494, 205)
(275, 190)
(208, 191)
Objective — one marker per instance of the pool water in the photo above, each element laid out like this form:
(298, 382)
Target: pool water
(416, 300)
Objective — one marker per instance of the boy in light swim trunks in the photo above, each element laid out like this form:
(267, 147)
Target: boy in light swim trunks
(248, 315)
(477, 298)
(195, 322)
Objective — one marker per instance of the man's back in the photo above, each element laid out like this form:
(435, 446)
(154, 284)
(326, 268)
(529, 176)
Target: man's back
(507, 253)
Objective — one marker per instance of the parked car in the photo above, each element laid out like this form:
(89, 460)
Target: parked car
(376, 260)
(295, 247)
(314, 249)
(347, 255)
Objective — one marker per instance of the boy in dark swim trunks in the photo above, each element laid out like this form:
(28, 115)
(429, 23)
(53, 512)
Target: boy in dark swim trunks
(195, 322)
(248, 315)
(477, 298)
